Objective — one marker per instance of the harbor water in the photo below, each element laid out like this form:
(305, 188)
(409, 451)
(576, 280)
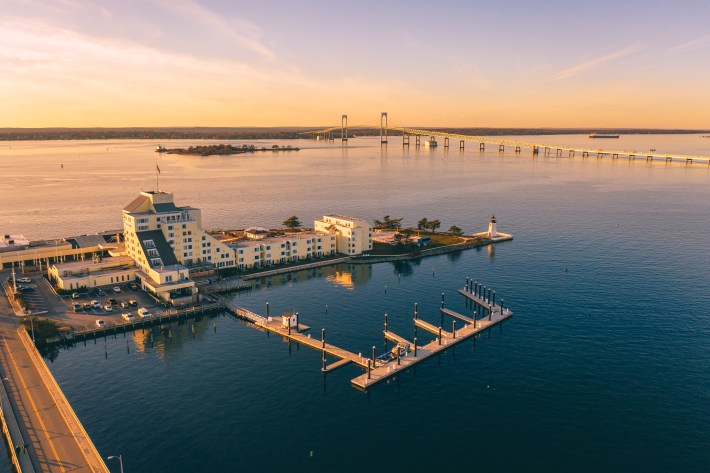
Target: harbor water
(603, 367)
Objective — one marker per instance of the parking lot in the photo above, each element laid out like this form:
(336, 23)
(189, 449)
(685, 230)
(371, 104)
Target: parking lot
(44, 302)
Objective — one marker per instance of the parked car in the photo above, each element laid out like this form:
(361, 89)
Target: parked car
(108, 307)
(86, 305)
(100, 323)
(100, 292)
(127, 316)
(75, 295)
(116, 289)
(133, 302)
(133, 286)
(95, 304)
(111, 301)
(75, 306)
(125, 305)
(143, 313)
(24, 280)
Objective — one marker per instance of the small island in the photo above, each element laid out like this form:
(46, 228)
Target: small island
(222, 149)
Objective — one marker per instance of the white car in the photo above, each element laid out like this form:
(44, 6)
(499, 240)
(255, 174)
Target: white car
(100, 323)
(143, 313)
(108, 307)
(24, 280)
(95, 304)
(127, 316)
(116, 289)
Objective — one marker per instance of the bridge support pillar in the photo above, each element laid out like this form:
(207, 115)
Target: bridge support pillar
(649, 158)
(547, 151)
(689, 161)
(536, 150)
(344, 128)
(571, 153)
(669, 159)
(558, 153)
(417, 140)
(632, 157)
(461, 144)
(446, 142)
(585, 154)
(405, 139)
(383, 128)
(501, 148)
(482, 147)
(615, 156)
(599, 155)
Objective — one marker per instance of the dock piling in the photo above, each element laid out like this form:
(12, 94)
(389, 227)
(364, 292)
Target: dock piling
(453, 328)
(322, 338)
(373, 356)
(385, 322)
(267, 311)
(415, 347)
(439, 335)
(369, 368)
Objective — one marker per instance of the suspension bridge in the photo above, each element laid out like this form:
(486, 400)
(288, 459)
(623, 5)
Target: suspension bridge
(342, 131)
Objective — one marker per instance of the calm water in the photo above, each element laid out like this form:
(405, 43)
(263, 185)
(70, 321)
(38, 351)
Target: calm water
(604, 366)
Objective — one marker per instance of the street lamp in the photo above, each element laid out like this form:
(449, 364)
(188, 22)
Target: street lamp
(120, 460)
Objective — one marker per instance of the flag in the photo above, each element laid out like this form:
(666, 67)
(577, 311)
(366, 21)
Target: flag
(157, 168)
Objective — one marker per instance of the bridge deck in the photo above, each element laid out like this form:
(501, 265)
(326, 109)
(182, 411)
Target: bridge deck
(492, 140)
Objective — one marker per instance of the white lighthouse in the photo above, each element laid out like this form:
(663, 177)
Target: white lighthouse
(492, 227)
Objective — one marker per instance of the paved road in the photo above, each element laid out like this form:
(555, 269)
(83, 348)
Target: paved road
(53, 445)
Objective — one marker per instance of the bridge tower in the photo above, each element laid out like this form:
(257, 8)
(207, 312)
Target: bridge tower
(383, 128)
(344, 128)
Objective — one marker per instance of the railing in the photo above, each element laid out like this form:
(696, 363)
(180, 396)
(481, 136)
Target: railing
(6, 430)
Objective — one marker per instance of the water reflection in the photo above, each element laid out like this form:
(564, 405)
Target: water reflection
(346, 275)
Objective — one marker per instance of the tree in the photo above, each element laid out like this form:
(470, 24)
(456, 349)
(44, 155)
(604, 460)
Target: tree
(292, 222)
(455, 231)
(423, 224)
(388, 222)
(433, 225)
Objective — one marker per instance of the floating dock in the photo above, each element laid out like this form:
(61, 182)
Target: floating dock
(405, 354)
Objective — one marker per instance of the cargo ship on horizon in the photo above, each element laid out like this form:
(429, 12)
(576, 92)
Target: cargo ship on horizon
(602, 135)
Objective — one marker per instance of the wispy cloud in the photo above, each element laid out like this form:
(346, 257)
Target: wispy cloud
(196, 12)
(579, 68)
(692, 44)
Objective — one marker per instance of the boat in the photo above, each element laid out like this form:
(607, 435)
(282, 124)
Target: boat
(602, 135)
(160, 149)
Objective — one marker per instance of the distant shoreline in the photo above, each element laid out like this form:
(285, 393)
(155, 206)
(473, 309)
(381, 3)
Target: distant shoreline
(285, 133)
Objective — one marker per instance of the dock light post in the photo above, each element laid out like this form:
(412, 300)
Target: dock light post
(120, 460)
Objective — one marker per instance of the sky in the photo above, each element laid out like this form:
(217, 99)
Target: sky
(504, 63)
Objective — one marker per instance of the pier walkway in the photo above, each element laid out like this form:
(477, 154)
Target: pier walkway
(54, 439)
(420, 354)
(274, 325)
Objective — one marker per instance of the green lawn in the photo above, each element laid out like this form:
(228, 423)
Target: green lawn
(437, 240)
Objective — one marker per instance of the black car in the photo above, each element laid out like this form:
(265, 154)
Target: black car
(111, 301)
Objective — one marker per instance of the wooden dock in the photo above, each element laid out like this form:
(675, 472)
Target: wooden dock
(408, 354)
(274, 325)
(385, 371)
